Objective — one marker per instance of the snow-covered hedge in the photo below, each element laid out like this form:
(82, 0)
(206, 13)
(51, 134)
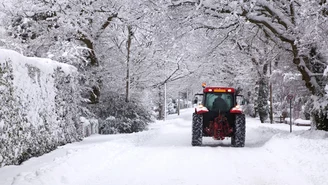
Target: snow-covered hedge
(38, 106)
(117, 116)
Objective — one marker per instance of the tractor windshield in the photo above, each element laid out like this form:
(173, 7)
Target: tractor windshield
(219, 102)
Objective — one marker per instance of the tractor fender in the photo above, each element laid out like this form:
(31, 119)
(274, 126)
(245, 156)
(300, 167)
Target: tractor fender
(201, 110)
(236, 110)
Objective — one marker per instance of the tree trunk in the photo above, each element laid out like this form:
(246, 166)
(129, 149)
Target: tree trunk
(87, 41)
(307, 64)
(130, 34)
(311, 66)
(263, 99)
(160, 104)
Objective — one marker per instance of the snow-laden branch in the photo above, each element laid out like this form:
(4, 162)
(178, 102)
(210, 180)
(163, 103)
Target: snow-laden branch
(183, 2)
(204, 26)
(250, 14)
(199, 5)
(174, 75)
(276, 13)
(171, 75)
(3, 83)
(105, 25)
(224, 39)
(271, 26)
(308, 76)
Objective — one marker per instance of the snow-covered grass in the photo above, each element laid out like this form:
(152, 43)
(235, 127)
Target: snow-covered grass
(163, 155)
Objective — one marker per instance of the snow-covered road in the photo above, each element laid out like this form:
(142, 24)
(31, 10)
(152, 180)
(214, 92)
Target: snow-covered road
(163, 156)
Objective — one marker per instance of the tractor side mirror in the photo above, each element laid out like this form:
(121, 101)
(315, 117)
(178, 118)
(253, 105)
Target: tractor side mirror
(198, 97)
(195, 100)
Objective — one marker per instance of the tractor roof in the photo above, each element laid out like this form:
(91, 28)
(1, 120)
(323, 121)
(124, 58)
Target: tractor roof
(219, 89)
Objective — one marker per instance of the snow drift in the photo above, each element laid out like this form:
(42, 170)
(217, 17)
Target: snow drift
(38, 106)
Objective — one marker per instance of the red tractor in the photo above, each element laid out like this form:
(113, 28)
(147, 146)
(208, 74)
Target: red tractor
(219, 116)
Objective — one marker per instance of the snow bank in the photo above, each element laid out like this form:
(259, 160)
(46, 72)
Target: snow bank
(38, 106)
(301, 122)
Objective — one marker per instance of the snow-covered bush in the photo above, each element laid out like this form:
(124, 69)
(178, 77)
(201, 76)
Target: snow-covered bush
(38, 106)
(249, 110)
(319, 113)
(90, 126)
(118, 116)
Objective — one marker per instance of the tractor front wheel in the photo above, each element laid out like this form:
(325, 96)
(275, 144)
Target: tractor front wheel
(197, 129)
(238, 138)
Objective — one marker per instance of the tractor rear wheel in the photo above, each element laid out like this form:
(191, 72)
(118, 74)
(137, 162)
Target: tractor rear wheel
(238, 138)
(197, 129)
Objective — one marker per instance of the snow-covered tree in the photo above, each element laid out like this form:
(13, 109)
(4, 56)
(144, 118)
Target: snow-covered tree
(300, 25)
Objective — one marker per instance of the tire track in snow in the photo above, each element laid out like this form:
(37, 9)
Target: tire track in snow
(164, 155)
(168, 158)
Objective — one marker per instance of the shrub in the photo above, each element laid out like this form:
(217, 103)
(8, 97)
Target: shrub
(118, 116)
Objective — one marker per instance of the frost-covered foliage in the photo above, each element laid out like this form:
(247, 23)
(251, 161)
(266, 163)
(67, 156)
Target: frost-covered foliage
(66, 105)
(38, 107)
(296, 27)
(286, 80)
(90, 126)
(319, 112)
(118, 116)
(249, 110)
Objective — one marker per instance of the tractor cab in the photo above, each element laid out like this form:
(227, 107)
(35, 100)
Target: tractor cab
(219, 99)
(218, 115)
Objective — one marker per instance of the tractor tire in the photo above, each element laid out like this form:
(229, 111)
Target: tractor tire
(238, 138)
(197, 129)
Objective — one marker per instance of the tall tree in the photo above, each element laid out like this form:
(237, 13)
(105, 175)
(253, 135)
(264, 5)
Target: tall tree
(301, 25)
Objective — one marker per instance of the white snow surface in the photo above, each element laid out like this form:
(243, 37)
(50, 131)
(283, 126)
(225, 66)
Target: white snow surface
(164, 155)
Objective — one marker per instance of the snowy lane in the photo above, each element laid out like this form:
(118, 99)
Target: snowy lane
(163, 155)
